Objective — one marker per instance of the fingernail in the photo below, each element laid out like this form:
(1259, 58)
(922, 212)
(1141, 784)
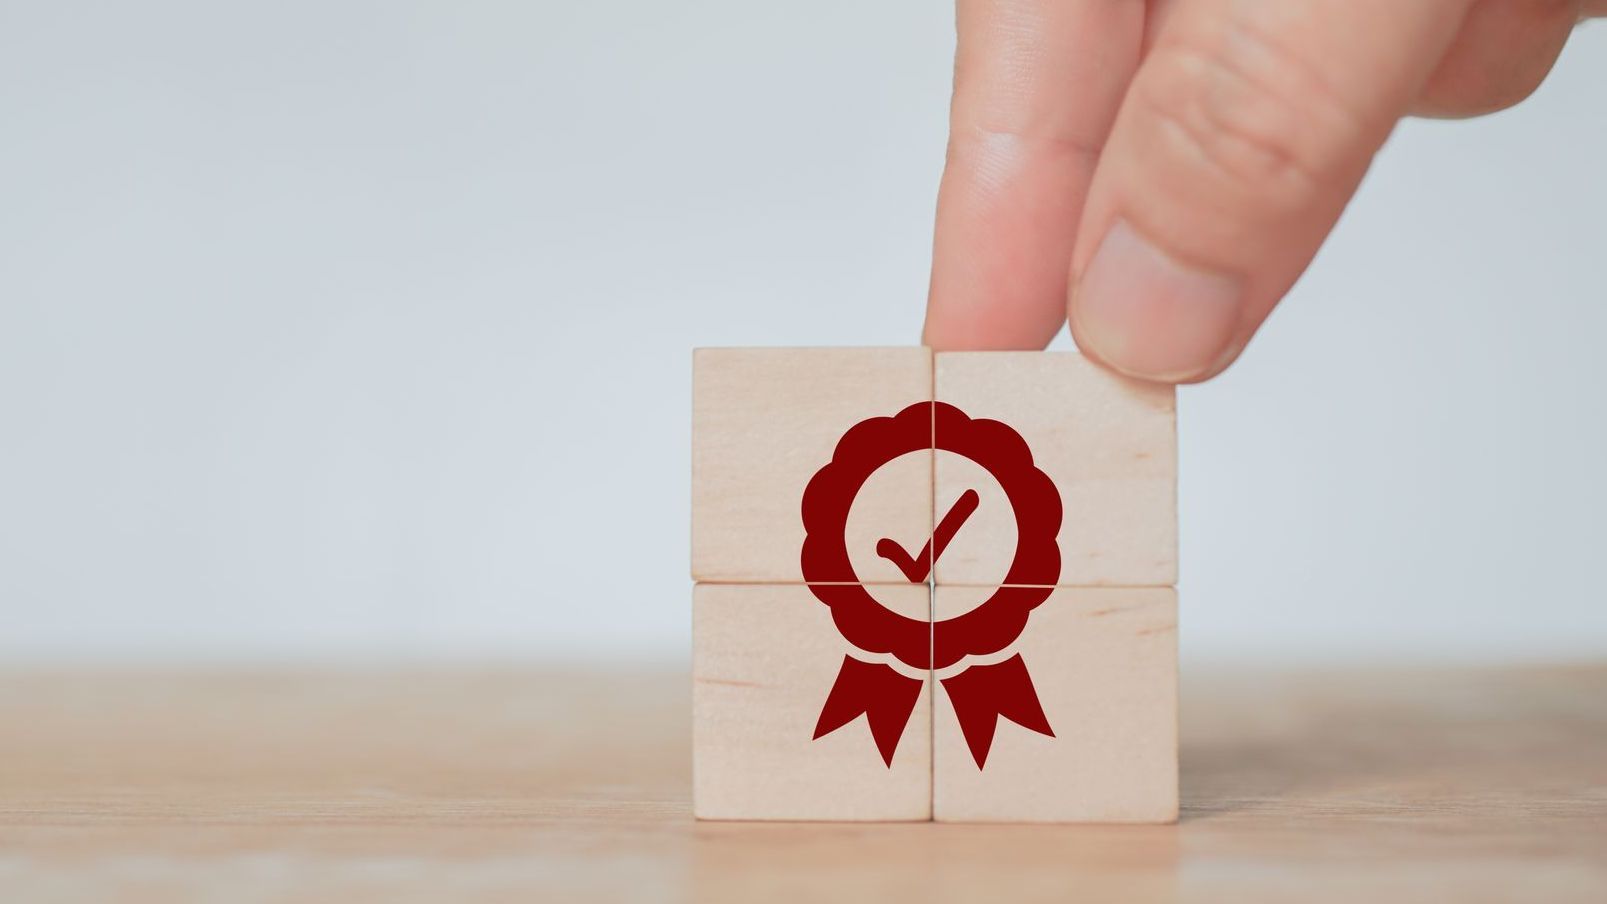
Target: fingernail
(1151, 316)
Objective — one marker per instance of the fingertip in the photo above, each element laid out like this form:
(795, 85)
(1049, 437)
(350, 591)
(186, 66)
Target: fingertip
(1147, 315)
(989, 322)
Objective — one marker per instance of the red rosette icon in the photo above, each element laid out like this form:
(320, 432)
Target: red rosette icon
(979, 693)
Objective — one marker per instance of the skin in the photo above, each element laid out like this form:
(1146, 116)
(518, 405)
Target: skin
(1158, 173)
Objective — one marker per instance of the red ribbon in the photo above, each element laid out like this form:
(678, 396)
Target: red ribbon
(980, 694)
(983, 693)
(885, 697)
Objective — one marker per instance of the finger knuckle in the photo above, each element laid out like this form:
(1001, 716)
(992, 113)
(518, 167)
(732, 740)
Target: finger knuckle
(1248, 117)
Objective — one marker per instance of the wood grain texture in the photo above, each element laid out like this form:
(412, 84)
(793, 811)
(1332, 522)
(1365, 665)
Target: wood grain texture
(764, 658)
(1377, 785)
(1103, 662)
(1110, 446)
(764, 420)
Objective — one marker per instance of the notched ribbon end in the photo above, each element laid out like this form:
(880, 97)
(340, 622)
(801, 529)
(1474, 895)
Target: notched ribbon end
(883, 696)
(981, 694)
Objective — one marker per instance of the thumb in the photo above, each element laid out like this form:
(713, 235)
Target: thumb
(1243, 135)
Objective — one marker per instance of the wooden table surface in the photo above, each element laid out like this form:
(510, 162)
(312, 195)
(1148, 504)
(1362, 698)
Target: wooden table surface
(573, 786)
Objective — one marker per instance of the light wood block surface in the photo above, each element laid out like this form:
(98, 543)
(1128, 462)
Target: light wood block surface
(1377, 785)
(763, 422)
(1108, 443)
(1103, 664)
(1082, 461)
(764, 663)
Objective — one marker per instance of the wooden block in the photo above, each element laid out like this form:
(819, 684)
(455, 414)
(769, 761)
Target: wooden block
(1107, 443)
(1102, 667)
(766, 660)
(764, 422)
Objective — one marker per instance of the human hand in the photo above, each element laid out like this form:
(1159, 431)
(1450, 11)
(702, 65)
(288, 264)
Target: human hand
(1175, 164)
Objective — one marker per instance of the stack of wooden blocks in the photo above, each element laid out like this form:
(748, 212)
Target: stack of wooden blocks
(1020, 667)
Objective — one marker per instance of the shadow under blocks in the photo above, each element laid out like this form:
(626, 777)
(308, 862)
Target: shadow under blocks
(932, 586)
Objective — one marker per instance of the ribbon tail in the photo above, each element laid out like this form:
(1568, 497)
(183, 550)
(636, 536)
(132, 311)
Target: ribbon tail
(885, 697)
(981, 694)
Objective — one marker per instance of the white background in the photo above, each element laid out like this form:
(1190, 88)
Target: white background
(356, 331)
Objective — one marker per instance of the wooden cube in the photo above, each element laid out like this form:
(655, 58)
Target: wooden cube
(764, 422)
(1091, 734)
(1107, 443)
(779, 732)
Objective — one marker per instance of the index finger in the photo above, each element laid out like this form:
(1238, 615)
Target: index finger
(1037, 84)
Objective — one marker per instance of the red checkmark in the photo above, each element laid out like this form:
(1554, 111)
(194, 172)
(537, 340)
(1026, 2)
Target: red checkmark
(916, 568)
